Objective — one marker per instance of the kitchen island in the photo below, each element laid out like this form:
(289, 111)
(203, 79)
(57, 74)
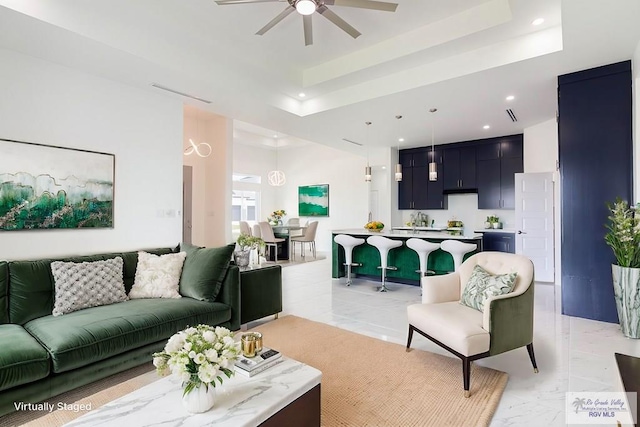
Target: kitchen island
(404, 258)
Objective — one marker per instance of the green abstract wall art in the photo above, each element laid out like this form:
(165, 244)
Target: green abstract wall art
(47, 187)
(313, 200)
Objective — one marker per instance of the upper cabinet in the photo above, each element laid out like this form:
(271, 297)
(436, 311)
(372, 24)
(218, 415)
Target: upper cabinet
(412, 190)
(497, 163)
(415, 191)
(485, 166)
(459, 167)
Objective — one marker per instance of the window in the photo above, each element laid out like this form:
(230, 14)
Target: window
(245, 206)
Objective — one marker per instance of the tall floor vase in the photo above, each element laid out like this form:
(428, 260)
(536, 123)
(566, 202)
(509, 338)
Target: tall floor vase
(626, 288)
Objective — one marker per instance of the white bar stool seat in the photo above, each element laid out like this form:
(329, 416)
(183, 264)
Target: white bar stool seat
(423, 248)
(457, 249)
(348, 243)
(384, 245)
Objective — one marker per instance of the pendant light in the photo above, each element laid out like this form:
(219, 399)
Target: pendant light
(276, 177)
(398, 174)
(433, 166)
(203, 149)
(367, 169)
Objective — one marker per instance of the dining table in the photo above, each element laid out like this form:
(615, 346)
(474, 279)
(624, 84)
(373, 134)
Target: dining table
(285, 232)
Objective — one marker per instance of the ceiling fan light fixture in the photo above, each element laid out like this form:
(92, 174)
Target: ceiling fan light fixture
(306, 7)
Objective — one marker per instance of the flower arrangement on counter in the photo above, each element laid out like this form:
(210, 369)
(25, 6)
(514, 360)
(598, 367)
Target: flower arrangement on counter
(624, 233)
(276, 216)
(374, 226)
(198, 356)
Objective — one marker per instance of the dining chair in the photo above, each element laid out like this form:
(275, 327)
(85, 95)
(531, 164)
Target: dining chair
(269, 239)
(244, 228)
(293, 232)
(309, 237)
(256, 230)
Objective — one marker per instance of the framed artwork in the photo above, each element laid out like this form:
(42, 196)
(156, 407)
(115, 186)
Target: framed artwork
(47, 187)
(313, 200)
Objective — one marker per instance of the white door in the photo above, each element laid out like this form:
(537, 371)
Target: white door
(534, 222)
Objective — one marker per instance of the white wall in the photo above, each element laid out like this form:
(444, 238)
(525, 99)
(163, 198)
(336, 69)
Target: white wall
(348, 193)
(253, 160)
(49, 104)
(211, 195)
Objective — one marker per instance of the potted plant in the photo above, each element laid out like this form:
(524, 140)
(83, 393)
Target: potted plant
(494, 221)
(623, 237)
(246, 243)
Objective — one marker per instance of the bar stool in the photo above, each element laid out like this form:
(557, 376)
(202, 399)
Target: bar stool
(348, 243)
(457, 249)
(423, 248)
(384, 244)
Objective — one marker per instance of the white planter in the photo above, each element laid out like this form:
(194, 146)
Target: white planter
(200, 399)
(626, 289)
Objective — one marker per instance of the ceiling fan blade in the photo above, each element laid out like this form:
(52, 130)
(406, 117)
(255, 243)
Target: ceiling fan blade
(365, 4)
(226, 2)
(341, 23)
(308, 30)
(276, 20)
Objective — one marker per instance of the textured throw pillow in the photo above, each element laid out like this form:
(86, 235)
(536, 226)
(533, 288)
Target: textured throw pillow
(157, 276)
(204, 271)
(81, 285)
(483, 285)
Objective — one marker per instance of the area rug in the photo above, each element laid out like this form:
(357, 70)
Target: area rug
(365, 381)
(370, 382)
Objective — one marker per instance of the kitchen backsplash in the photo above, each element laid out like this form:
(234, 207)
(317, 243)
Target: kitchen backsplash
(464, 207)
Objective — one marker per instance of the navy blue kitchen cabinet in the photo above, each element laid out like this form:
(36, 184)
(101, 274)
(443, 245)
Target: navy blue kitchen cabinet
(498, 161)
(595, 153)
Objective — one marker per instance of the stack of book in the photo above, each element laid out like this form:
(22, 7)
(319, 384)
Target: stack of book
(263, 360)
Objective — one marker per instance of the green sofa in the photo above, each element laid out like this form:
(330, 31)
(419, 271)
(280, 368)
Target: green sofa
(42, 356)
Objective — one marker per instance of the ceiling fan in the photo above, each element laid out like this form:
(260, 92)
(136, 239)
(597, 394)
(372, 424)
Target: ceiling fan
(306, 8)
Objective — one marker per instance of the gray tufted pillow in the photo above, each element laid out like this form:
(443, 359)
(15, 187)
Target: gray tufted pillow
(87, 284)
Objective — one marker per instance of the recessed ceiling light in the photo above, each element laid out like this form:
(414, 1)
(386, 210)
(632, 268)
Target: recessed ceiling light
(302, 94)
(400, 139)
(275, 136)
(537, 21)
(486, 127)
(384, 167)
(510, 98)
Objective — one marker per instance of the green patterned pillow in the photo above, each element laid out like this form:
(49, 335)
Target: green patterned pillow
(483, 285)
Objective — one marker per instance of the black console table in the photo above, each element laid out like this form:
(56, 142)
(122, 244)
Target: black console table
(260, 292)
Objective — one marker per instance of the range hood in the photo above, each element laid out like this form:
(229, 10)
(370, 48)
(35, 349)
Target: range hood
(460, 191)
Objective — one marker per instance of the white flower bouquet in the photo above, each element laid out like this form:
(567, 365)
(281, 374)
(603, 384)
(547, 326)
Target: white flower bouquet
(198, 356)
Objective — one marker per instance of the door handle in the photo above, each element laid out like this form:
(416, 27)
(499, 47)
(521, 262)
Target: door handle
(522, 232)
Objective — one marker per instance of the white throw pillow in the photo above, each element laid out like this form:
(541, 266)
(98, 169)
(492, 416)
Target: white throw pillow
(157, 276)
(81, 285)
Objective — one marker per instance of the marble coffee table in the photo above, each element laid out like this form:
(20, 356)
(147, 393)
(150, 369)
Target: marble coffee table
(288, 391)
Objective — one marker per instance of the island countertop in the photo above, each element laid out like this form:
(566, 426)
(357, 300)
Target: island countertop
(405, 234)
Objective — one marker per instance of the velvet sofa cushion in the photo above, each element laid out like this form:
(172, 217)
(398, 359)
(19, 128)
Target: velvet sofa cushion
(204, 271)
(31, 290)
(4, 292)
(87, 336)
(22, 359)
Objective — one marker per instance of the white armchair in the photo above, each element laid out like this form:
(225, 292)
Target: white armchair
(506, 322)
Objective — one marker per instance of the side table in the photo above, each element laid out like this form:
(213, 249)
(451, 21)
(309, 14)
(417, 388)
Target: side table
(260, 292)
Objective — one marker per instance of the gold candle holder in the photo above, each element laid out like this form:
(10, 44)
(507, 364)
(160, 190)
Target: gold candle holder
(248, 345)
(258, 336)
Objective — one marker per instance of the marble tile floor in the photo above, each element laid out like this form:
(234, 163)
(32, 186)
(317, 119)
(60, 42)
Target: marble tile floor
(573, 354)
